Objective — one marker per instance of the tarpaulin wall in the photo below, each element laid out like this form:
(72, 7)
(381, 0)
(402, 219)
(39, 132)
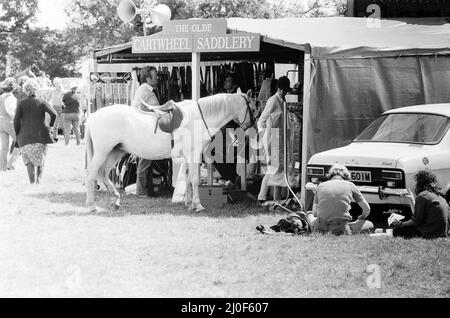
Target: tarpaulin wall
(348, 94)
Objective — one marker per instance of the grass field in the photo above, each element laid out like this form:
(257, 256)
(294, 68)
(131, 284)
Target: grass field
(51, 247)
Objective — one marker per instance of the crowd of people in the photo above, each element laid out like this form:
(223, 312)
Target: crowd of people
(28, 122)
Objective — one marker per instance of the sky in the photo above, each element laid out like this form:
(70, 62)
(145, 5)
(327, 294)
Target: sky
(51, 14)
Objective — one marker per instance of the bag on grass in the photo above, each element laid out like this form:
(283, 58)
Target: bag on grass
(294, 223)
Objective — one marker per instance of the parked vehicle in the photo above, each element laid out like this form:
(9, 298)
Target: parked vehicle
(385, 156)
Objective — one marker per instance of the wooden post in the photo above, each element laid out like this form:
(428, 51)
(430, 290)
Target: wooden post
(196, 96)
(195, 76)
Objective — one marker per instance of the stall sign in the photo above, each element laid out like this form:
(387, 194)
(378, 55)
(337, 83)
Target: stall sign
(236, 42)
(199, 26)
(162, 44)
(202, 35)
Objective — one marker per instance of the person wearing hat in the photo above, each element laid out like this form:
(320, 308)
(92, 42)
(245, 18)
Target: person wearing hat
(71, 114)
(32, 133)
(8, 105)
(269, 120)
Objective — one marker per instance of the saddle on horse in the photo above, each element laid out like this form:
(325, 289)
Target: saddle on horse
(169, 115)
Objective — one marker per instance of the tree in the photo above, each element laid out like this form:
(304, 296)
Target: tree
(310, 8)
(49, 50)
(95, 23)
(15, 16)
(233, 8)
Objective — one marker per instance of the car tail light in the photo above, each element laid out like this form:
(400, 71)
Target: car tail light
(315, 171)
(391, 175)
(390, 184)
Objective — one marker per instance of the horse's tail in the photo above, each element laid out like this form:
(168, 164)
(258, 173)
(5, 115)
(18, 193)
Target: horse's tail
(89, 147)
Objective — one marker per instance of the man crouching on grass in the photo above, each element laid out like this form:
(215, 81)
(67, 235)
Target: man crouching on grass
(332, 204)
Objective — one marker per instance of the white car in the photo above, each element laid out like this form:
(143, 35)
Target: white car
(384, 158)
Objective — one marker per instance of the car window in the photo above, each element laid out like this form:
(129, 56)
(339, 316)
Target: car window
(406, 128)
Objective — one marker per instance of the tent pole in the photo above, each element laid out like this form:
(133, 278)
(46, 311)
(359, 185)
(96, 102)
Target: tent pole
(305, 124)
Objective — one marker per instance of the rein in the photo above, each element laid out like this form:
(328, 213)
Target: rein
(248, 112)
(204, 122)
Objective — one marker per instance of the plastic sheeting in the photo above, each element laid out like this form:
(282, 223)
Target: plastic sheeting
(340, 37)
(347, 95)
(362, 67)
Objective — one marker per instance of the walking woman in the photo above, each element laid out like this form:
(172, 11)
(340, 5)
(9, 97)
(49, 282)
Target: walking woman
(32, 134)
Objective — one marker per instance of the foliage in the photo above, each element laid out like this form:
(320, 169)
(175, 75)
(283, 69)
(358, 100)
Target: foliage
(233, 8)
(51, 51)
(15, 16)
(310, 8)
(24, 45)
(95, 23)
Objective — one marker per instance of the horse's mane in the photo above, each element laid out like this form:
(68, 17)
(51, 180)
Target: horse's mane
(218, 105)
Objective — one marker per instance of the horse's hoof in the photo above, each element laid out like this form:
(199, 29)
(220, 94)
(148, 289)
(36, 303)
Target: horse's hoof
(92, 209)
(199, 209)
(115, 206)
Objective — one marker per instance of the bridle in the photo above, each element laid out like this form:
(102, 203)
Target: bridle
(249, 112)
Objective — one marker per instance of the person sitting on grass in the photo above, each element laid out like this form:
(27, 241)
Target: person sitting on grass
(332, 204)
(431, 211)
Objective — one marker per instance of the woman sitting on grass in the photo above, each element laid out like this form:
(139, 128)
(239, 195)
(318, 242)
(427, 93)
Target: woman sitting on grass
(431, 211)
(332, 204)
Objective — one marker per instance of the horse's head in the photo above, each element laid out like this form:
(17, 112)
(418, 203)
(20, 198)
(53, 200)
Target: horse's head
(246, 114)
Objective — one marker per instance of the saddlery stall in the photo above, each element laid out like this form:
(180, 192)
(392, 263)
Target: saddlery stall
(351, 69)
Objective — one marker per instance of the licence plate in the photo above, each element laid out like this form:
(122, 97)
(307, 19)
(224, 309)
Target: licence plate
(361, 176)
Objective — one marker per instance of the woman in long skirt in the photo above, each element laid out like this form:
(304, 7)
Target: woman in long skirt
(32, 134)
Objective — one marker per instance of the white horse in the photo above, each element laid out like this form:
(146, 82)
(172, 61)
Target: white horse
(115, 130)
